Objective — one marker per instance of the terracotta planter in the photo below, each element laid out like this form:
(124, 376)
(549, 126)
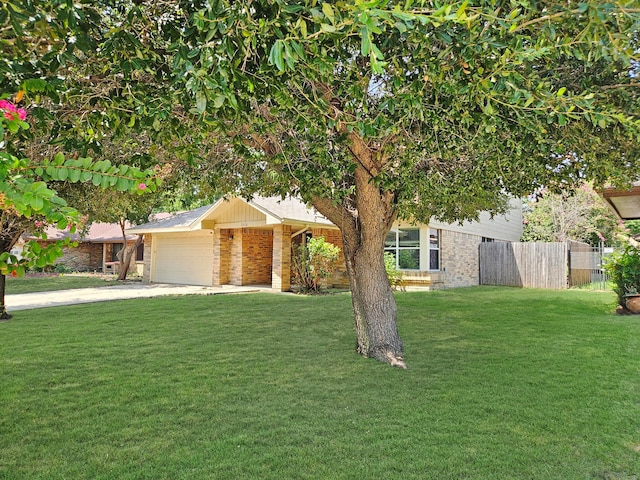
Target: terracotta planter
(632, 302)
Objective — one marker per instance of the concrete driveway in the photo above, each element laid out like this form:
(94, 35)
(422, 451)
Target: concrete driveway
(26, 301)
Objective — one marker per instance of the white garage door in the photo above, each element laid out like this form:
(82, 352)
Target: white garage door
(186, 260)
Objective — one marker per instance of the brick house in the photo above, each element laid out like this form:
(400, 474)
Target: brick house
(97, 248)
(239, 242)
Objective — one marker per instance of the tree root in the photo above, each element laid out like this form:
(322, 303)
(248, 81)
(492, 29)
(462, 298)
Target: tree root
(396, 361)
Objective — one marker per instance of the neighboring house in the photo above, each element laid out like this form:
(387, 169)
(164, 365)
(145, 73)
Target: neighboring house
(238, 242)
(97, 248)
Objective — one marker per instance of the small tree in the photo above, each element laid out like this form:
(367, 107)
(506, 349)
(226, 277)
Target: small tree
(623, 268)
(313, 263)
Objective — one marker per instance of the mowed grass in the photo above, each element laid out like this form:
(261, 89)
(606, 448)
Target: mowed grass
(51, 282)
(502, 384)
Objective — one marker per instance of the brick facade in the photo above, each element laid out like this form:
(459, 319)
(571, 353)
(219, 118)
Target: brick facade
(235, 256)
(257, 255)
(88, 256)
(146, 262)
(459, 259)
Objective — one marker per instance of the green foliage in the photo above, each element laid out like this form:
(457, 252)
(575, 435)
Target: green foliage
(579, 214)
(394, 274)
(28, 201)
(633, 226)
(623, 268)
(313, 263)
(461, 102)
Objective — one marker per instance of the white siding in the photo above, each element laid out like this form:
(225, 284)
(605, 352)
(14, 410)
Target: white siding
(507, 227)
(185, 259)
(236, 211)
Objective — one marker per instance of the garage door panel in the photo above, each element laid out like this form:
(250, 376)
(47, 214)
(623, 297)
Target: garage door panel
(186, 260)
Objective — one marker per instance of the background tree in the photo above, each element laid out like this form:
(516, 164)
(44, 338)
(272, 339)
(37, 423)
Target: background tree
(579, 214)
(369, 110)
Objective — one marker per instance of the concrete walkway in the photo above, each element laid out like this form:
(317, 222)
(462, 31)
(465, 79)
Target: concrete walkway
(26, 301)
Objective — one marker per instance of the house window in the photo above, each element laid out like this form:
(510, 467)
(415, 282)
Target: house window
(140, 253)
(404, 245)
(434, 249)
(115, 249)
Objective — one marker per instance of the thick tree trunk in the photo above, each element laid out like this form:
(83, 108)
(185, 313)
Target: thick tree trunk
(127, 253)
(3, 308)
(374, 305)
(11, 228)
(364, 220)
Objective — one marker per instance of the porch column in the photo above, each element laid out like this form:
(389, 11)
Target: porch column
(281, 269)
(222, 239)
(146, 259)
(217, 260)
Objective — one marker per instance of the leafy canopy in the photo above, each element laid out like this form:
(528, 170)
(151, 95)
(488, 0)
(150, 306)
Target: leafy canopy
(457, 103)
(454, 104)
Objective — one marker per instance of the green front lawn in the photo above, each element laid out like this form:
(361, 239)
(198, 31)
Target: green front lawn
(51, 282)
(502, 384)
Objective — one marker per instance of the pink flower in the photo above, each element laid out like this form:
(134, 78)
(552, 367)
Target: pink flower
(142, 186)
(11, 112)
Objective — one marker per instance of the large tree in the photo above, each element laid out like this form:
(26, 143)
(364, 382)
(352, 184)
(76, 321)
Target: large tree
(374, 110)
(377, 110)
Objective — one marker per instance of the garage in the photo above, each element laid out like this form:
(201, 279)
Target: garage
(185, 259)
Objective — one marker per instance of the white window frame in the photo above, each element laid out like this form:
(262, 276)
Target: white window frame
(437, 248)
(396, 249)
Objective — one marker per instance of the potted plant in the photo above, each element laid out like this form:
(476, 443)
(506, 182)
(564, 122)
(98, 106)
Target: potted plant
(623, 268)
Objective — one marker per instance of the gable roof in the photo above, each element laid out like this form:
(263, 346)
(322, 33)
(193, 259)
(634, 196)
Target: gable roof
(288, 210)
(227, 212)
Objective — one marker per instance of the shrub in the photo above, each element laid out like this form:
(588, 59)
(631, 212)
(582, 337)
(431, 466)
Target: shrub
(395, 275)
(623, 268)
(313, 263)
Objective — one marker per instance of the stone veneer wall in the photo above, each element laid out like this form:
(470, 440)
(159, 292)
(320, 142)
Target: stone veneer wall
(459, 256)
(86, 257)
(146, 261)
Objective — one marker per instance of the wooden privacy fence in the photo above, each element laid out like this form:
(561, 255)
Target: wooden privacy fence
(537, 265)
(554, 265)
